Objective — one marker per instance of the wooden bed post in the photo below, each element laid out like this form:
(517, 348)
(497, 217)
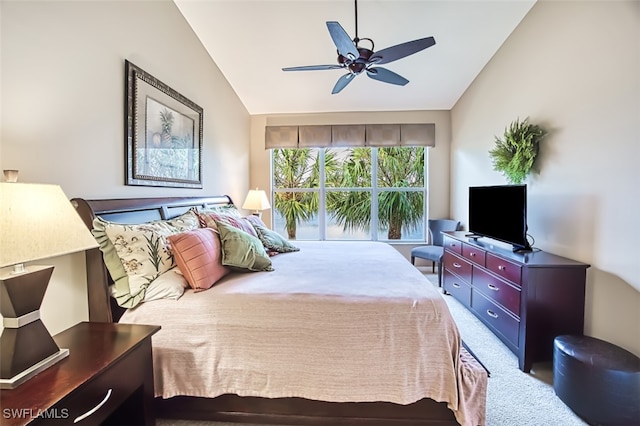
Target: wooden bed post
(97, 275)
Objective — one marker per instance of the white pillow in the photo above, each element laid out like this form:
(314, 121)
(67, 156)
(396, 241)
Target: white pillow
(169, 285)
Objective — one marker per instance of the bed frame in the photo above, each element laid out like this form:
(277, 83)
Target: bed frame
(234, 408)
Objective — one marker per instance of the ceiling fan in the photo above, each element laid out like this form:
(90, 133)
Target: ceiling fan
(356, 59)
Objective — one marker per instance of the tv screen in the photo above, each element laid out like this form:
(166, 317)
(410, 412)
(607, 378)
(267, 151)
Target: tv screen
(500, 212)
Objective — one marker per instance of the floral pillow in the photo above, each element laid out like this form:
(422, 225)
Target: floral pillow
(136, 255)
(227, 209)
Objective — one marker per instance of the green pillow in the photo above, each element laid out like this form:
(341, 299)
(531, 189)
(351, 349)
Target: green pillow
(272, 240)
(242, 251)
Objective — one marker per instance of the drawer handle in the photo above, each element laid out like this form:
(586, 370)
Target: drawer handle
(472, 254)
(501, 268)
(456, 285)
(491, 313)
(492, 287)
(94, 409)
(457, 265)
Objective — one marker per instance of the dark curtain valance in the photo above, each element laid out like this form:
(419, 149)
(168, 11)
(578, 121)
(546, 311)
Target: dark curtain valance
(350, 135)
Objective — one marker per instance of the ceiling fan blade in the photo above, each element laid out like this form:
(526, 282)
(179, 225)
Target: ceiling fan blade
(313, 68)
(341, 39)
(400, 51)
(386, 76)
(342, 83)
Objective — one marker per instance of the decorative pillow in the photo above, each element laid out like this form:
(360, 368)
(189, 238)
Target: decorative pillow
(136, 255)
(198, 256)
(242, 251)
(272, 241)
(255, 220)
(228, 209)
(209, 220)
(186, 221)
(169, 285)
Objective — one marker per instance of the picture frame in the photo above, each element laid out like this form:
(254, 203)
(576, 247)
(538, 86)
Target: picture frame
(163, 133)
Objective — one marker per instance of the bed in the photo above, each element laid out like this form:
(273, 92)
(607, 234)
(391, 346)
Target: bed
(305, 344)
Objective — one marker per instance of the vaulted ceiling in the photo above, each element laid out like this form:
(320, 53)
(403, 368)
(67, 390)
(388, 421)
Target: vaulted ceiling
(252, 40)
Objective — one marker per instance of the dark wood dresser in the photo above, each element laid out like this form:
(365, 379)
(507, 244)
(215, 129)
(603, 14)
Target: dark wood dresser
(525, 299)
(107, 379)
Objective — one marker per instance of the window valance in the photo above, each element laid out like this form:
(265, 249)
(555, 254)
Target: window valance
(350, 135)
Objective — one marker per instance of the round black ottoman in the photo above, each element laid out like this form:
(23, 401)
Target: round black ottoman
(598, 380)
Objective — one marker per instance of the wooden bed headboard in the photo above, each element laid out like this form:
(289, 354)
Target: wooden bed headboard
(102, 307)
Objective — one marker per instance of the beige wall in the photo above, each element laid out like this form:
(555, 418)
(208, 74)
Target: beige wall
(62, 103)
(573, 67)
(438, 156)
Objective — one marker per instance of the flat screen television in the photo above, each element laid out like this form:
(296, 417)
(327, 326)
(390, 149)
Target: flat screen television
(499, 212)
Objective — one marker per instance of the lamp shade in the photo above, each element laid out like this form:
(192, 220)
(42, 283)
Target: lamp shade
(256, 200)
(37, 221)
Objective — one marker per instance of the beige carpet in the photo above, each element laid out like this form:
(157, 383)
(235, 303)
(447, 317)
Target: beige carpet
(514, 398)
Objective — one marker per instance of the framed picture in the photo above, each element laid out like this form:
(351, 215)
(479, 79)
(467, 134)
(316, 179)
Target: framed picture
(163, 132)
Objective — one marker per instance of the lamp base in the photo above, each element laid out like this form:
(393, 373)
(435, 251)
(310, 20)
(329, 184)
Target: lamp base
(26, 347)
(25, 375)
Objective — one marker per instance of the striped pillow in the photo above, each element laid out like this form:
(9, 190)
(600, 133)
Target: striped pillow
(208, 220)
(199, 257)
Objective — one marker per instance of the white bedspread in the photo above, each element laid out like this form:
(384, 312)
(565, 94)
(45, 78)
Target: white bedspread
(336, 321)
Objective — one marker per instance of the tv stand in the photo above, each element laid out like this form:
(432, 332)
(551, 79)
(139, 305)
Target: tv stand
(473, 237)
(525, 298)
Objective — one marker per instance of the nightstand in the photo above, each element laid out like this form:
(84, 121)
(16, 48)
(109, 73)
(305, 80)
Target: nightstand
(107, 379)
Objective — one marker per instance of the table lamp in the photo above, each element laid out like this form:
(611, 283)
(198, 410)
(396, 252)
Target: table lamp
(257, 201)
(37, 221)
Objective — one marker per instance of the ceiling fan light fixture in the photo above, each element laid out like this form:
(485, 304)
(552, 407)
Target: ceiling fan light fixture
(357, 59)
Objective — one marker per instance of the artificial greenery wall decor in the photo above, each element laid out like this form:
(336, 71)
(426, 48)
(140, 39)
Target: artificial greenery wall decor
(516, 151)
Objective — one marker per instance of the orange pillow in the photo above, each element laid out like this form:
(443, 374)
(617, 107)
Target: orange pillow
(198, 256)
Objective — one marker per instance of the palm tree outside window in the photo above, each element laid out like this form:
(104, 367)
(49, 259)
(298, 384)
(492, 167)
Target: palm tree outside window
(338, 194)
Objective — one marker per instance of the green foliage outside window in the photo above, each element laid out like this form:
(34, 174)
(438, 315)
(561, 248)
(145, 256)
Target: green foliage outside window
(397, 167)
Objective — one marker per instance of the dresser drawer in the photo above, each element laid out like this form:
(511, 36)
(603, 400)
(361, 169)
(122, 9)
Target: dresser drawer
(497, 289)
(474, 254)
(453, 245)
(496, 317)
(93, 402)
(457, 288)
(504, 268)
(457, 265)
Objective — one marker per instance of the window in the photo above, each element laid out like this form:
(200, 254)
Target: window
(338, 194)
